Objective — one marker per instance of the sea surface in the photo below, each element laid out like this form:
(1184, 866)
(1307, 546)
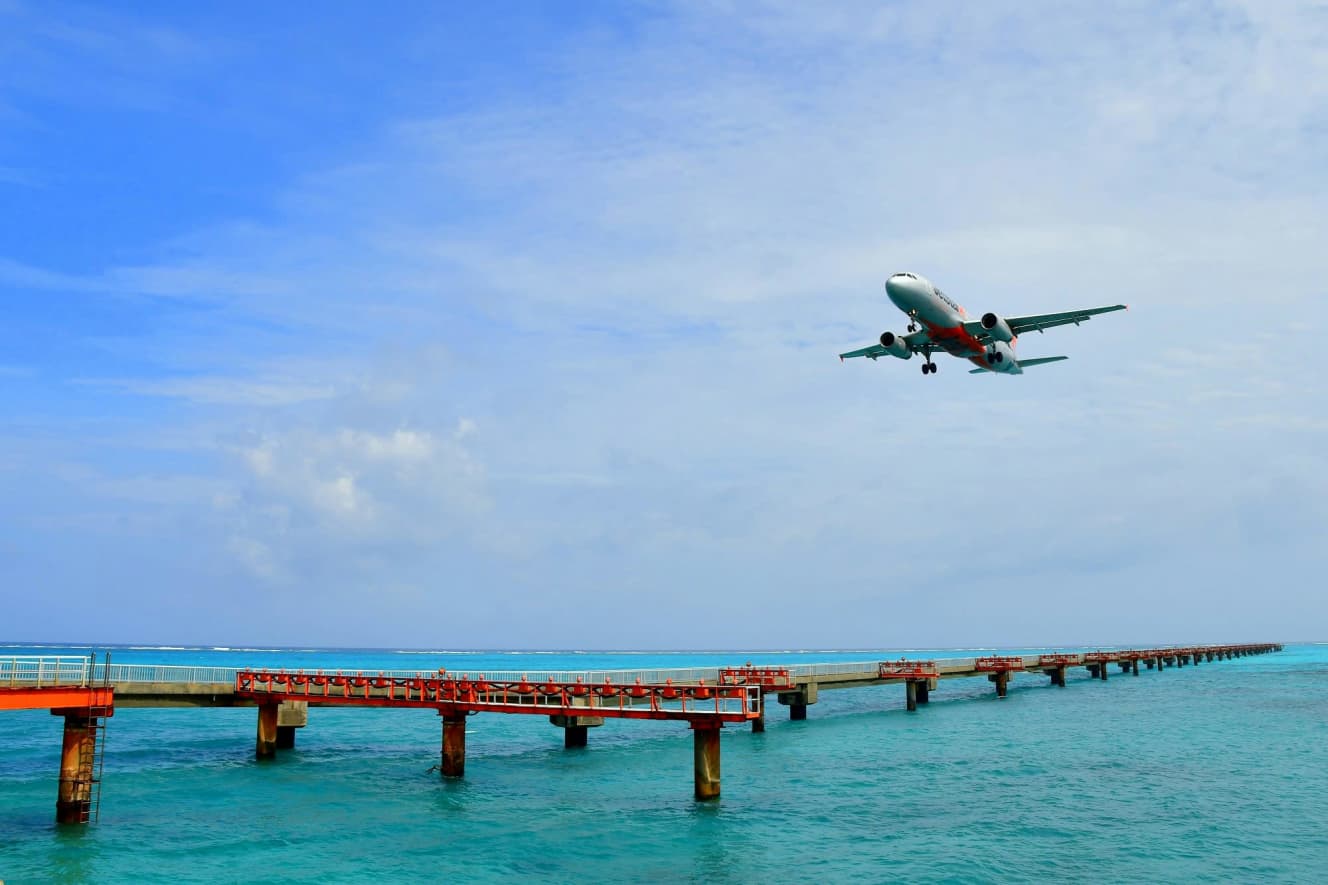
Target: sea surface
(1210, 773)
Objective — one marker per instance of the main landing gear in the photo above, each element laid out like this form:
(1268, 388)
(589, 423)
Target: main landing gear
(929, 368)
(995, 357)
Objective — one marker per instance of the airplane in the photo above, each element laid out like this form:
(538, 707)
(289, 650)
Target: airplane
(939, 324)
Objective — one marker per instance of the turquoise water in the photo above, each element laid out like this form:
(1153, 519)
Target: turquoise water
(1216, 772)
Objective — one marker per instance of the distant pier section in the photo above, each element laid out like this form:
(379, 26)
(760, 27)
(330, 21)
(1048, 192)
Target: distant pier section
(86, 693)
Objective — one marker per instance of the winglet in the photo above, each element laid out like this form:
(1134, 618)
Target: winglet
(841, 357)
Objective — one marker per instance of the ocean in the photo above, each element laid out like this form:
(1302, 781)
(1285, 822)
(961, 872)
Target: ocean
(1210, 773)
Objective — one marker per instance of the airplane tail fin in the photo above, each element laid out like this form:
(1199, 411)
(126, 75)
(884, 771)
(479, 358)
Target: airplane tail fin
(1024, 364)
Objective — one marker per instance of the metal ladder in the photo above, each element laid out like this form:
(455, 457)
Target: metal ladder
(91, 755)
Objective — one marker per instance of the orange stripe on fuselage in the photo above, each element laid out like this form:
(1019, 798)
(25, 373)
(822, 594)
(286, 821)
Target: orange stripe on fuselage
(954, 340)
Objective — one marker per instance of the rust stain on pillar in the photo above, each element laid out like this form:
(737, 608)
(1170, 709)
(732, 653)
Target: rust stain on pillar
(265, 747)
(453, 763)
(74, 798)
(706, 760)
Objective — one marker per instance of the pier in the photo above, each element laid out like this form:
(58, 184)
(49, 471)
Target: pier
(86, 693)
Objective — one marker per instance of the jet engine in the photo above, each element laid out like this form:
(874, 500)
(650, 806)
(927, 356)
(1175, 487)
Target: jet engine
(997, 328)
(895, 346)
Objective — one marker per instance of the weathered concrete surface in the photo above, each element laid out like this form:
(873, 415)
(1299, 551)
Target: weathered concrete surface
(705, 755)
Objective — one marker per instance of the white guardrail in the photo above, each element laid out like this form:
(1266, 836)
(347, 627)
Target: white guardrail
(44, 671)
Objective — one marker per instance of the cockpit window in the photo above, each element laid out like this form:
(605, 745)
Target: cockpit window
(907, 276)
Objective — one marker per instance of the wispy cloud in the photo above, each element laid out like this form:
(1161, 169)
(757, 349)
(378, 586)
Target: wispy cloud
(577, 341)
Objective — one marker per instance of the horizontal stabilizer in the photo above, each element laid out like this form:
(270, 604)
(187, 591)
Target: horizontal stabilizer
(1024, 364)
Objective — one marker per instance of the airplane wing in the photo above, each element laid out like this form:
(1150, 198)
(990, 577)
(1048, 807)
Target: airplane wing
(915, 341)
(1041, 322)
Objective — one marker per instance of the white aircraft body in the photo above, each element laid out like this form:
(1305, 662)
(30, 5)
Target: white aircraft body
(938, 324)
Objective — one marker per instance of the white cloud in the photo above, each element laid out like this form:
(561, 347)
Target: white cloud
(585, 341)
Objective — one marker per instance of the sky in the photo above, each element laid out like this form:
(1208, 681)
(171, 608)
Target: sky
(514, 325)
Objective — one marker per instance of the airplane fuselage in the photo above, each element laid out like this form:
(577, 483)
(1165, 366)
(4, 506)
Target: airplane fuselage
(944, 319)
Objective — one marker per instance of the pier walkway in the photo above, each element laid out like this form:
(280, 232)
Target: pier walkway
(86, 691)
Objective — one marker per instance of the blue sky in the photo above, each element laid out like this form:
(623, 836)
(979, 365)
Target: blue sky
(515, 326)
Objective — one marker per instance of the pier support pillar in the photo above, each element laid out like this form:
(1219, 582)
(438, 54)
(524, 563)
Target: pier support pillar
(798, 700)
(758, 724)
(73, 801)
(1124, 666)
(924, 691)
(911, 695)
(290, 716)
(1002, 679)
(1057, 675)
(265, 746)
(1134, 667)
(575, 728)
(1148, 662)
(705, 759)
(1092, 670)
(453, 762)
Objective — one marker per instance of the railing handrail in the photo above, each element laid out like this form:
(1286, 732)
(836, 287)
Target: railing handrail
(28, 670)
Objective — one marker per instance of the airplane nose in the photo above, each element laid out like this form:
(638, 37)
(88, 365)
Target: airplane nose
(899, 287)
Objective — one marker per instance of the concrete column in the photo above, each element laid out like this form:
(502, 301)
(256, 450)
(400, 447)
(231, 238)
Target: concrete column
(1001, 679)
(1057, 675)
(74, 799)
(453, 762)
(705, 760)
(290, 716)
(1124, 666)
(924, 691)
(1102, 671)
(266, 745)
(758, 724)
(798, 700)
(910, 695)
(1092, 670)
(575, 728)
(1134, 666)
(1148, 662)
